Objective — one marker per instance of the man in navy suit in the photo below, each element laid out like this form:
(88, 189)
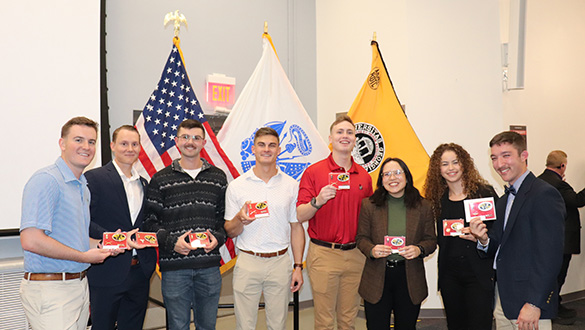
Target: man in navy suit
(119, 287)
(526, 240)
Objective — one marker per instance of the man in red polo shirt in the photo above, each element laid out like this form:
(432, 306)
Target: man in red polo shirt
(332, 207)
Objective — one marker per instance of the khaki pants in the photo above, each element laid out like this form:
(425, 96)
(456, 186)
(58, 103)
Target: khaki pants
(254, 276)
(502, 323)
(335, 278)
(56, 304)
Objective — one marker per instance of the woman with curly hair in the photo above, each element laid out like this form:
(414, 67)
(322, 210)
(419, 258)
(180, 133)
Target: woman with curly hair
(466, 281)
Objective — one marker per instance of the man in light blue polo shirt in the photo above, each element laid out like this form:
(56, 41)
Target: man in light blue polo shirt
(54, 233)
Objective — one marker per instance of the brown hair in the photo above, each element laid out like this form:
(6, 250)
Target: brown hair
(262, 131)
(436, 185)
(191, 123)
(125, 127)
(516, 140)
(82, 121)
(340, 119)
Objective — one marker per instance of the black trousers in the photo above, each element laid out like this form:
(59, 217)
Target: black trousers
(468, 304)
(395, 298)
(563, 273)
(124, 304)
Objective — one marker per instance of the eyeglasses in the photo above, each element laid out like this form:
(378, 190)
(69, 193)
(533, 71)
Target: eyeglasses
(397, 173)
(186, 138)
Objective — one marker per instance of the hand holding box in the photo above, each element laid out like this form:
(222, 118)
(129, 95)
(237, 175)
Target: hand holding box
(199, 240)
(339, 180)
(258, 210)
(395, 242)
(115, 240)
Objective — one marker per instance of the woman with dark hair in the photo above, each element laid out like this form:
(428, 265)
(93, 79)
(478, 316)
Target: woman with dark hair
(394, 282)
(465, 280)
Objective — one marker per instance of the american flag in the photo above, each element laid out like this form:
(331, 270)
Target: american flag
(173, 101)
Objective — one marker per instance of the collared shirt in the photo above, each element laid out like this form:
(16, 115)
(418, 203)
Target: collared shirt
(272, 233)
(512, 197)
(337, 220)
(134, 191)
(55, 201)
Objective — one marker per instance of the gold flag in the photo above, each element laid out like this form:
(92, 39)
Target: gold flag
(382, 129)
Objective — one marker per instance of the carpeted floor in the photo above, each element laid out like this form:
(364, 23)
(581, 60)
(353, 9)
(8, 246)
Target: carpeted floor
(227, 320)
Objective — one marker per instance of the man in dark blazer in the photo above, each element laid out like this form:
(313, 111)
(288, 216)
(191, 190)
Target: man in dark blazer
(526, 240)
(554, 174)
(119, 287)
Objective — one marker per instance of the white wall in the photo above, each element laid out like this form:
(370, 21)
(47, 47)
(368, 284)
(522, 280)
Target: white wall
(444, 61)
(552, 102)
(49, 74)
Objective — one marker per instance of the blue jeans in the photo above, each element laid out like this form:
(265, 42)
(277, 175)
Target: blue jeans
(187, 289)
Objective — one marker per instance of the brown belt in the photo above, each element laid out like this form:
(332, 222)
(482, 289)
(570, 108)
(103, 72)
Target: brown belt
(134, 261)
(266, 254)
(54, 276)
(343, 247)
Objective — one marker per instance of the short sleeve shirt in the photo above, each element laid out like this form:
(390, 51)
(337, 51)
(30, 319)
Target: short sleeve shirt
(272, 233)
(55, 201)
(337, 220)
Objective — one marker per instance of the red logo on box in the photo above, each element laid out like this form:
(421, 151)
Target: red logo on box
(480, 207)
(147, 239)
(395, 242)
(258, 210)
(199, 239)
(339, 180)
(453, 227)
(115, 240)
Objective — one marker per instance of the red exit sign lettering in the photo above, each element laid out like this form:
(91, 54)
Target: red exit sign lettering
(221, 90)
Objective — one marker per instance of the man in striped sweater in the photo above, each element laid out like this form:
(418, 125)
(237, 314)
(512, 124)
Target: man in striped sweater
(188, 197)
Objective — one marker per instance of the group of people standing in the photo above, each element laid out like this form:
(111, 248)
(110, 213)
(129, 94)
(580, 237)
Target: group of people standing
(508, 268)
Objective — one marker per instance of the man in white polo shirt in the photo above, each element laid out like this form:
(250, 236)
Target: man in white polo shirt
(263, 264)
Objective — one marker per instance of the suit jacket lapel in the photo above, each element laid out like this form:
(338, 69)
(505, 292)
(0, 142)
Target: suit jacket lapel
(518, 201)
(141, 213)
(382, 213)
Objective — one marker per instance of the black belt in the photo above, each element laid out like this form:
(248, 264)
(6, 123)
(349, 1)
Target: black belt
(343, 247)
(395, 262)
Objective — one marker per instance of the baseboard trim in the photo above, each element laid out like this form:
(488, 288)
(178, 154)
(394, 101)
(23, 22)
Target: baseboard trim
(577, 295)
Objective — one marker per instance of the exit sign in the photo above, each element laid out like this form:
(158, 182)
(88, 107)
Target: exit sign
(221, 91)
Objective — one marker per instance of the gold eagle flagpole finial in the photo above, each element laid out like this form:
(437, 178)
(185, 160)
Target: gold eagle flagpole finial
(178, 19)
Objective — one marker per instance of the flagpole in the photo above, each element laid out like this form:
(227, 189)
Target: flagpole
(269, 38)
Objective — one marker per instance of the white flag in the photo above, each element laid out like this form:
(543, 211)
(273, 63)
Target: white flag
(268, 99)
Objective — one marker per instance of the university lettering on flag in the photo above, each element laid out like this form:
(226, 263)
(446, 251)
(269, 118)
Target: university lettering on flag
(173, 101)
(382, 129)
(268, 99)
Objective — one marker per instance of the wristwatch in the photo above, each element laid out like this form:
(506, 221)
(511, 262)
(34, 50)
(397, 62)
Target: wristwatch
(422, 251)
(314, 203)
(298, 265)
